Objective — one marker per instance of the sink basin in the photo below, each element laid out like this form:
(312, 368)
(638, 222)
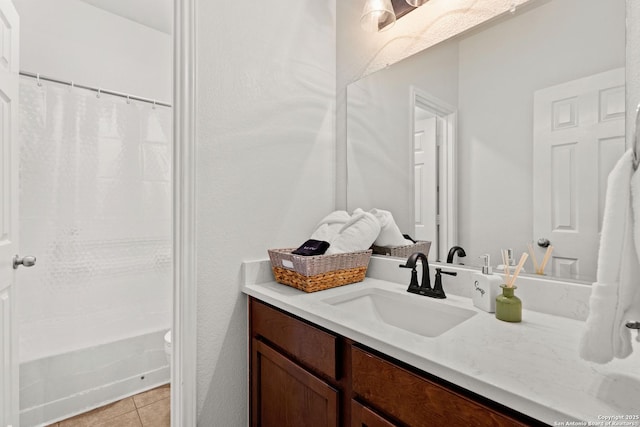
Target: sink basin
(417, 314)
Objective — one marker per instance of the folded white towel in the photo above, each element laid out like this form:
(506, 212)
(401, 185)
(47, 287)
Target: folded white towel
(329, 228)
(616, 288)
(356, 235)
(390, 235)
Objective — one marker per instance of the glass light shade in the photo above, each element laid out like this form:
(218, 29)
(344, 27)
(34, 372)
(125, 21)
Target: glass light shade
(377, 15)
(416, 3)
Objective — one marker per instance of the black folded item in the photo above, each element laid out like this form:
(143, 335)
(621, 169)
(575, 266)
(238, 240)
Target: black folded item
(406, 236)
(312, 247)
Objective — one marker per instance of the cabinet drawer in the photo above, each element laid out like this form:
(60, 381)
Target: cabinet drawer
(361, 416)
(415, 400)
(307, 344)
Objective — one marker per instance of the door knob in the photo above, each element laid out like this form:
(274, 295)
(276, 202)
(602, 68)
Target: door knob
(543, 242)
(28, 261)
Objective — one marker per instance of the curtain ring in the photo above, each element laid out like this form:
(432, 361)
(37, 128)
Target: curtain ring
(154, 104)
(99, 92)
(38, 80)
(128, 100)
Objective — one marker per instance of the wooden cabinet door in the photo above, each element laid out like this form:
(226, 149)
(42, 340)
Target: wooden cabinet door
(361, 416)
(285, 395)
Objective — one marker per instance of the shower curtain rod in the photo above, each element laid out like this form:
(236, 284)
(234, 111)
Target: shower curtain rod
(94, 89)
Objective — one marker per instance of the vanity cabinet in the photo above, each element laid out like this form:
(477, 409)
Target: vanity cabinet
(304, 375)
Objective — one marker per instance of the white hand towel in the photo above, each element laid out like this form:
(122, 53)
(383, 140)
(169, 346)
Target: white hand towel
(356, 235)
(633, 313)
(329, 228)
(613, 294)
(390, 235)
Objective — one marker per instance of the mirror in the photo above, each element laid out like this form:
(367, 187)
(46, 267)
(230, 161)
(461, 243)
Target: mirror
(526, 118)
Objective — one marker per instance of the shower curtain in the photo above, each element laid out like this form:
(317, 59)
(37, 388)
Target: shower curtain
(95, 209)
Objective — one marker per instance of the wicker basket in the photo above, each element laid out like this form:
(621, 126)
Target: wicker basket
(316, 273)
(403, 251)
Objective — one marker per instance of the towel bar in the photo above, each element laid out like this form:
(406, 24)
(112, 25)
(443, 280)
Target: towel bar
(633, 325)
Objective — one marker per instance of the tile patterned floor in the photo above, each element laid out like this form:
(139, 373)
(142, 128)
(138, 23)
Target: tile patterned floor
(148, 409)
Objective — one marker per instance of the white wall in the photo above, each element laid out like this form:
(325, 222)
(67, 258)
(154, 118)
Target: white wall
(265, 166)
(71, 40)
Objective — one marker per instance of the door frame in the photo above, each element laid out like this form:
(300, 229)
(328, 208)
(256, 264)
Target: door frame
(183, 366)
(447, 198)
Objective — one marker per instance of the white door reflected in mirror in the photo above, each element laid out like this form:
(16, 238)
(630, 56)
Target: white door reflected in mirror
(425, 145)
(579, 134)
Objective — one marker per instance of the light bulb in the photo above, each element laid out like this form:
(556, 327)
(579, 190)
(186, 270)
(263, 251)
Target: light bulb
(377, 15)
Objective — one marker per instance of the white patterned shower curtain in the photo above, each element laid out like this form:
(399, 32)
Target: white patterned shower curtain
(95, 209)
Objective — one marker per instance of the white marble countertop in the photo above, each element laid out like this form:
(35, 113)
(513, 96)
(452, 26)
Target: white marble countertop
(532, 367)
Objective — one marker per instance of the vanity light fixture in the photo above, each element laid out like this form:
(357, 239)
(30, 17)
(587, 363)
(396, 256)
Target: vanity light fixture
(377, 15)
(416, 3)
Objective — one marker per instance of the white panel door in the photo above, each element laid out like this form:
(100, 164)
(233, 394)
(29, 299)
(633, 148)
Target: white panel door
(426, 182)
(579, 134)
(8, 212)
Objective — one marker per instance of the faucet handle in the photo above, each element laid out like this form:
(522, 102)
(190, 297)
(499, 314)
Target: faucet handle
(450, 273)
(437, 288)
(414, 273)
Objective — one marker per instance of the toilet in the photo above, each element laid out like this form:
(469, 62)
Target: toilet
(167, 346)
